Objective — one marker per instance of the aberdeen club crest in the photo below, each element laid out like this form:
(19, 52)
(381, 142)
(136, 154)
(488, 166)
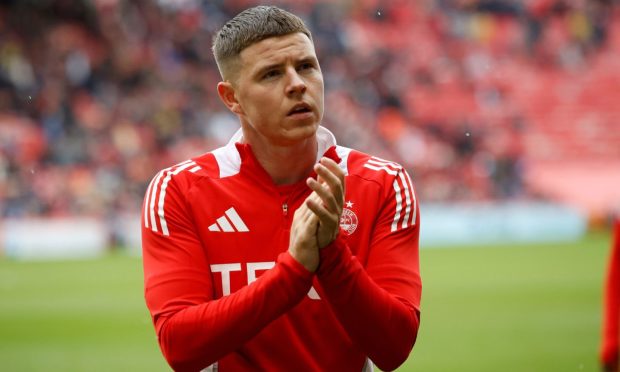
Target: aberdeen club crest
(348, 220)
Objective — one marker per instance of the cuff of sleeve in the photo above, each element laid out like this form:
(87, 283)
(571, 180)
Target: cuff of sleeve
(333, 255)
(298, 269)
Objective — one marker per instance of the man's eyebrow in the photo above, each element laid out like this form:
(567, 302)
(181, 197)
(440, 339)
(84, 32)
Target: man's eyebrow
(268, 67)
(309, 58)
(261, 70)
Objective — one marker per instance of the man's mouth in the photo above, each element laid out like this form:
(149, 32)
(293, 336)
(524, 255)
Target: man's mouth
(300, 108)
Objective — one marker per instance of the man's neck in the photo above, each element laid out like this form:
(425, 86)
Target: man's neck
(285, 164)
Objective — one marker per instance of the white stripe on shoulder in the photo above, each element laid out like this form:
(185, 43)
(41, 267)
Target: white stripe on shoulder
(379, 164)
(403, 188)
(399, 206)
(384, 163)
(407, 199)
(382, 168)
(151, 206)
(343, 154)
(156, 193)
(147, 198)
(228, 160)
(153, 195)
(162, 195)
(413, 199)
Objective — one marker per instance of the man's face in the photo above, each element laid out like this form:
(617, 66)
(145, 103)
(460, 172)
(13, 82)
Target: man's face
(279, 88)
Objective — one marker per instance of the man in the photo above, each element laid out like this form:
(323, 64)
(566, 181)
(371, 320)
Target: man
(281, 250)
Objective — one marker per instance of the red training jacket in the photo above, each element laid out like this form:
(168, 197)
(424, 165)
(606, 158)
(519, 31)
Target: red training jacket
(224, 293)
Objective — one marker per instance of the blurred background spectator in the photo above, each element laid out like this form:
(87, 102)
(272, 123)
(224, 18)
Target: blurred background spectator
(481, 100)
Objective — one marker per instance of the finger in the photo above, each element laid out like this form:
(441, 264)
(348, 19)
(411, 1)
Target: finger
(335, 169)
(325, 175)
(333, 166)
(329, 219)
(315, 200)
(325, 195)
(332, 179)
(312, 197)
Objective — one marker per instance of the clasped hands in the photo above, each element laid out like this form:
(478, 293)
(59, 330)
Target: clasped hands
(316, 222)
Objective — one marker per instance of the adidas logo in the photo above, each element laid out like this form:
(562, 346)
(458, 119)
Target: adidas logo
(233, 223)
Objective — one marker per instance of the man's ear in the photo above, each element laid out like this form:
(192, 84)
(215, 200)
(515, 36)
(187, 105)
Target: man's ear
(227, 94)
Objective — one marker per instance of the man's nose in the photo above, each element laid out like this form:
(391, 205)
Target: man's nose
(296, 85)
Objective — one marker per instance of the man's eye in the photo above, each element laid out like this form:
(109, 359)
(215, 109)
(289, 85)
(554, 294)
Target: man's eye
(271, 74)
(306, 66)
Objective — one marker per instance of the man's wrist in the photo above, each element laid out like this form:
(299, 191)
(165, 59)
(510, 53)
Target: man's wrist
(309, 261)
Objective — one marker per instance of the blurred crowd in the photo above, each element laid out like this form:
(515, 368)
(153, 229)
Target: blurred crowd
(97, 96)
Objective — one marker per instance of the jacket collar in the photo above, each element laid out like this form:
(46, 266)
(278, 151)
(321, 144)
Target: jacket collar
(324, 137)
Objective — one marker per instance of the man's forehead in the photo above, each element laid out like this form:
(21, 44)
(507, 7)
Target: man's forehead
(277, 48)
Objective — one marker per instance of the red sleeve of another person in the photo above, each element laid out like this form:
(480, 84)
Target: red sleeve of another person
(194, 329)
(379, 305)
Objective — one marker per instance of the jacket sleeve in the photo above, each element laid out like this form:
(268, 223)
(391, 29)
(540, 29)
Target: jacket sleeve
(194, 329)
(610, 336)
(379, 305)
